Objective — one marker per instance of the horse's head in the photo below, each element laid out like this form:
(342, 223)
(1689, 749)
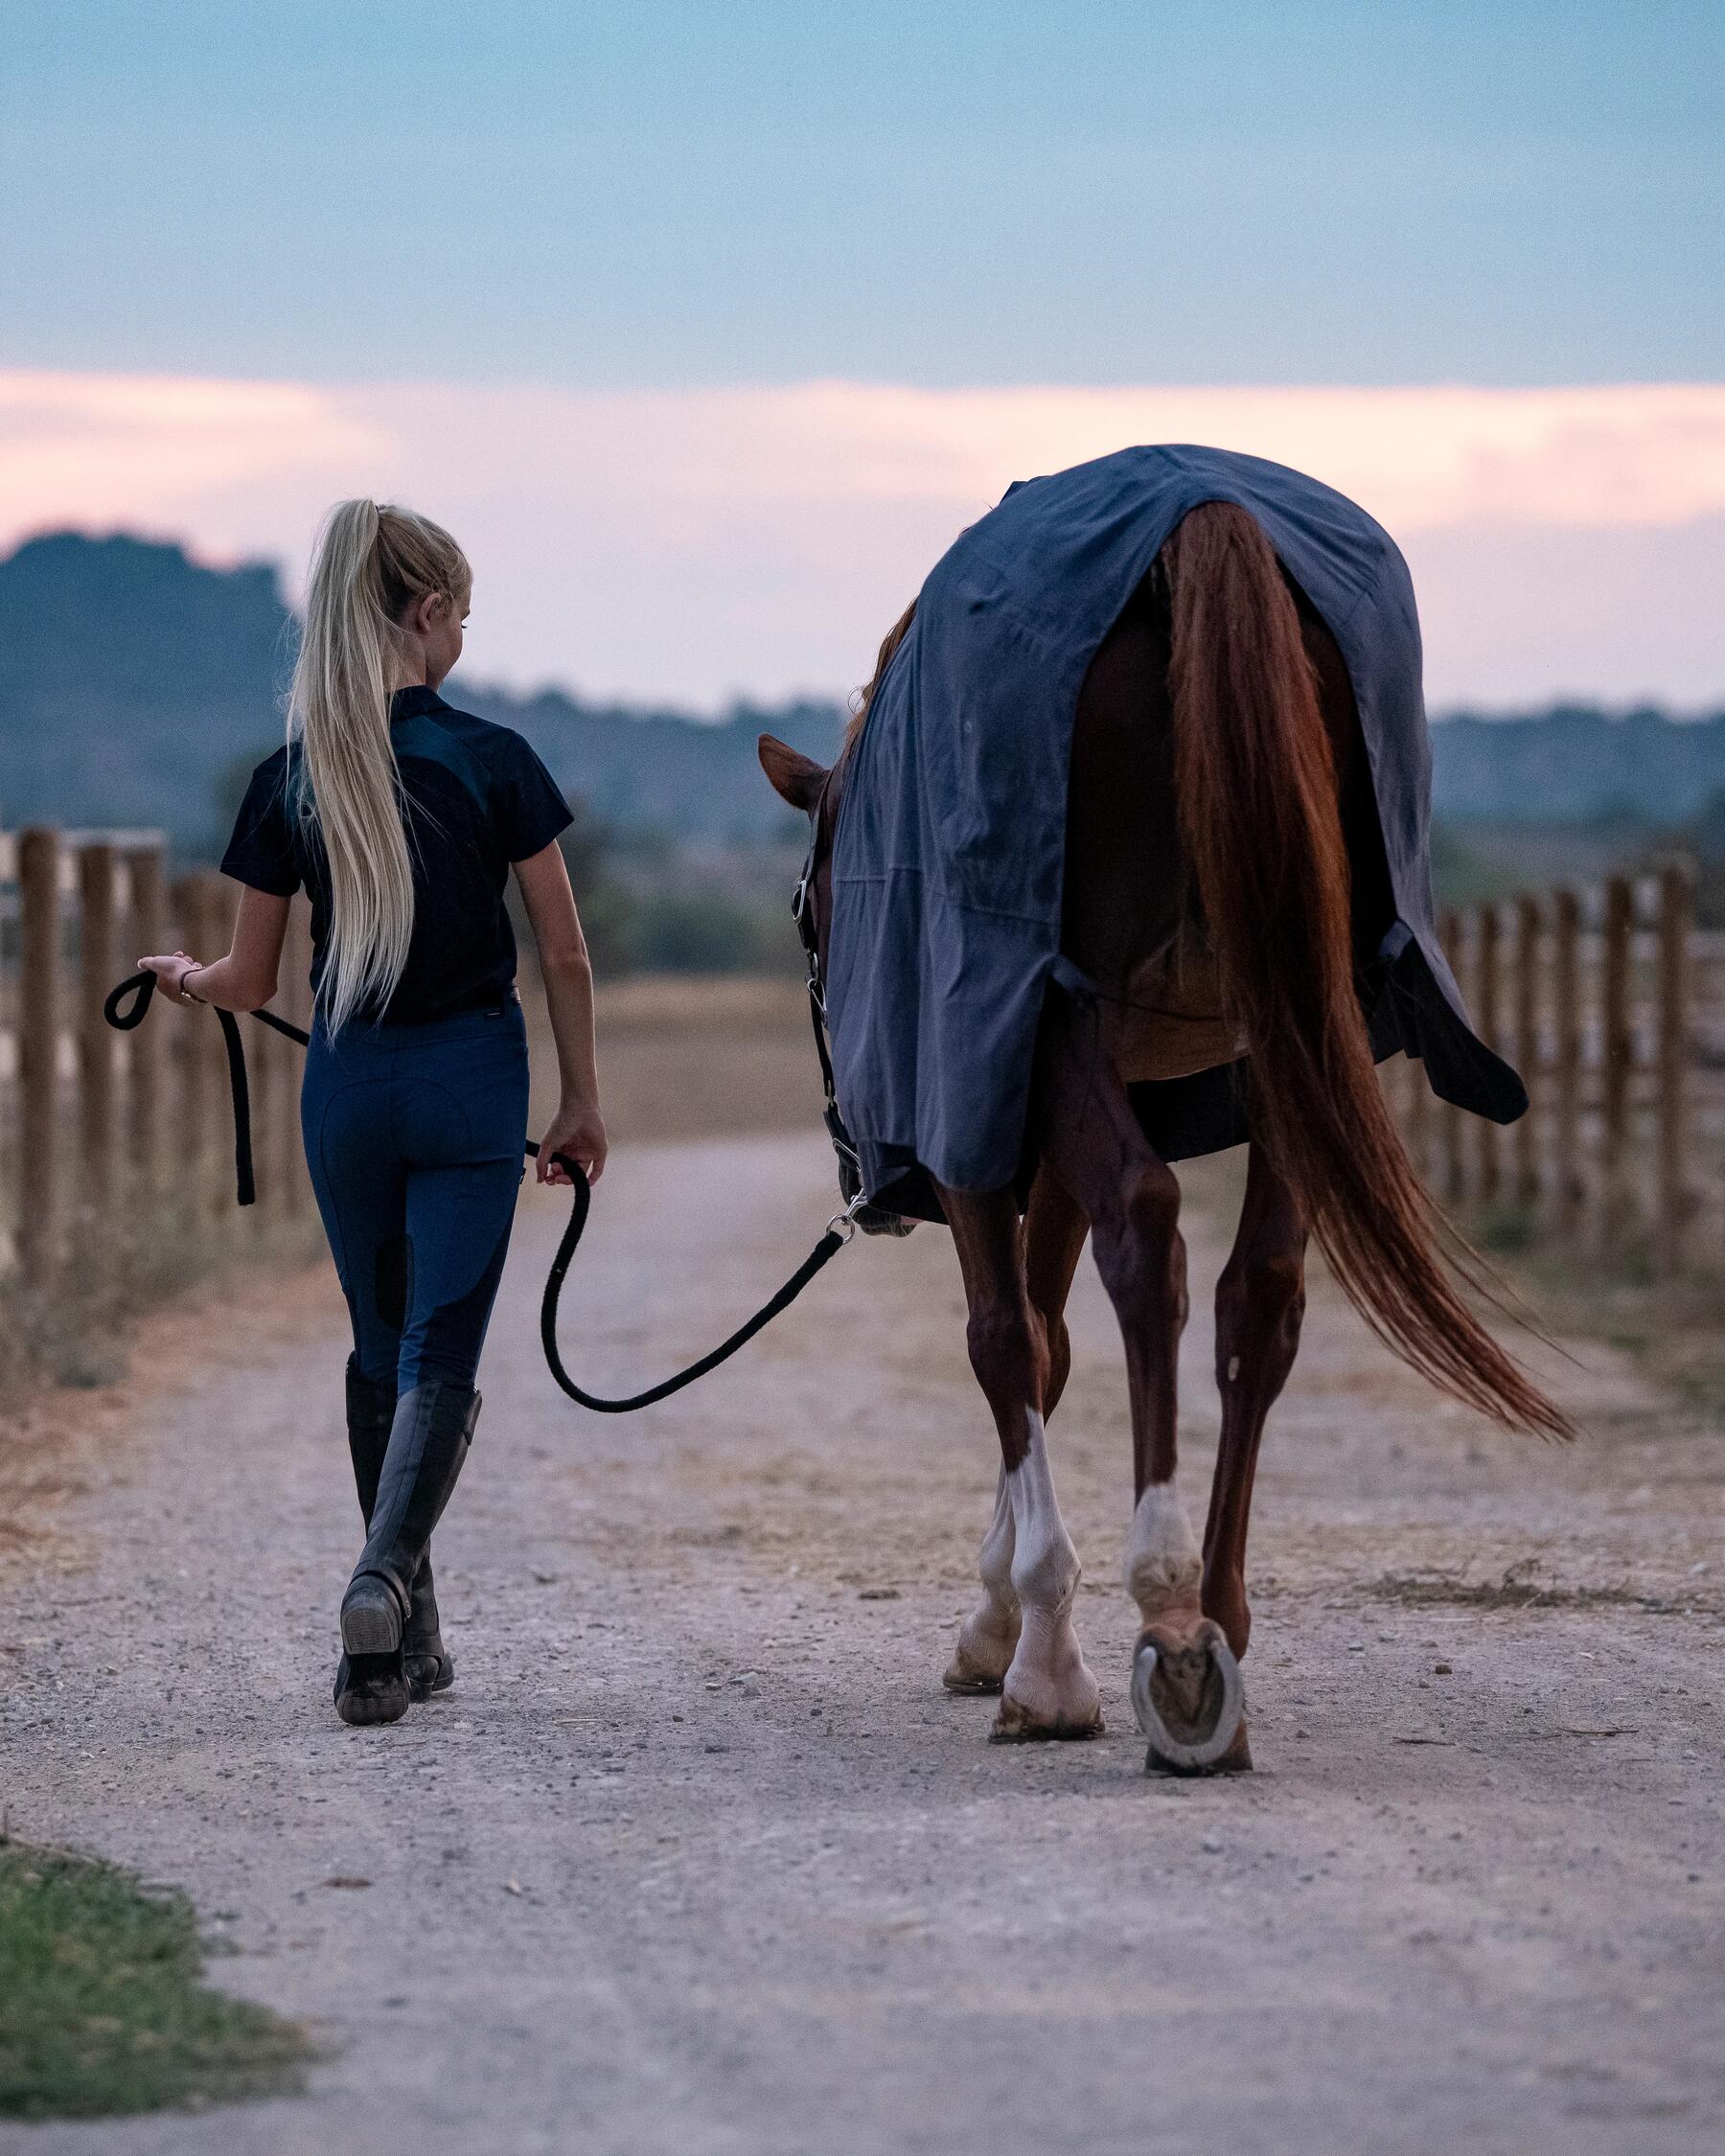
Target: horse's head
(816, 791)
(808, 786)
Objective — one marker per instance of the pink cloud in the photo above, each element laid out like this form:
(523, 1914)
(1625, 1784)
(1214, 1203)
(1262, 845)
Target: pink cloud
(689, 542)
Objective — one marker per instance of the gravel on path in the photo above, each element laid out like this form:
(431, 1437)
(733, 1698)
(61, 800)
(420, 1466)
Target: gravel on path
(697, 1856)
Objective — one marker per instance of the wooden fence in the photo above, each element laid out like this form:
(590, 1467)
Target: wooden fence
(116, 1148)
(1612, 1006)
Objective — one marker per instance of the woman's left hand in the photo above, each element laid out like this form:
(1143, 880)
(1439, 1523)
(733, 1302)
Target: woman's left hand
(578, 1130)
(171, 972)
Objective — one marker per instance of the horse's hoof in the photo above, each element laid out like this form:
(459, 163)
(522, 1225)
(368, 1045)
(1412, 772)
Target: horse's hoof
(1015, 1724)
(1188, 1699)
(981, 1656)
(1235, 1760)
(970, 1676)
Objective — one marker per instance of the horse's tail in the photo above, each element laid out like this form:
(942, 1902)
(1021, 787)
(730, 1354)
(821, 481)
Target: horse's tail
(1256, 783)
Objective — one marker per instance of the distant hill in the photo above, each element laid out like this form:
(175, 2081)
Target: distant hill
(130, 679)
(136, 687)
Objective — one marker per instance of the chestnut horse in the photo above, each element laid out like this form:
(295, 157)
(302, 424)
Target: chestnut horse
(1222, 844)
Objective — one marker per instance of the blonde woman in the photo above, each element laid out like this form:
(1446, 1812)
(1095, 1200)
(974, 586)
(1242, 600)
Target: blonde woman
(403, 818)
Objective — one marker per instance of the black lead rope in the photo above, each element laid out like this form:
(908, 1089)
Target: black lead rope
(828, 1247)
(126, 1008)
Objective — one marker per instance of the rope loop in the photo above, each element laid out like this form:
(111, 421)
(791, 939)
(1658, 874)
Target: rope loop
(122, 1016)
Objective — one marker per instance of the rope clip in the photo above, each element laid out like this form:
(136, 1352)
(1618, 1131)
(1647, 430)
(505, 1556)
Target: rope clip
(844, 1224)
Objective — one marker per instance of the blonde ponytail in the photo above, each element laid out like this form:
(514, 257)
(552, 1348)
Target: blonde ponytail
(371, 565)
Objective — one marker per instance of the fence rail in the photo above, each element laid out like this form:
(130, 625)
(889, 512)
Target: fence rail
(116, 1150)
(1612, 1005)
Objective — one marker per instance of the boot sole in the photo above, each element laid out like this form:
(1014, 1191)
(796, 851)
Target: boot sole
(370, 1626)
(370, 1691)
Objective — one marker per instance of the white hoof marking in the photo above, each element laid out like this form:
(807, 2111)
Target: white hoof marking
(1164, 1568)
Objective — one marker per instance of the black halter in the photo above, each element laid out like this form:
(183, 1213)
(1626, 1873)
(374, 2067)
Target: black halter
(872, 1220)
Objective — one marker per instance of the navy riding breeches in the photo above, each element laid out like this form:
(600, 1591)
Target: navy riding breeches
(414, 1137)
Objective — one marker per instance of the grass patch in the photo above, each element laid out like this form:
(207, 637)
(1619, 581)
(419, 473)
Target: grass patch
(1505, 1231)
(102, 2009)
(1519, 1588)
(79, 1334)
(1668, 1327)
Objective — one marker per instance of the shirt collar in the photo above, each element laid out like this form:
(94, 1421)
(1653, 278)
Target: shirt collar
(414, 703)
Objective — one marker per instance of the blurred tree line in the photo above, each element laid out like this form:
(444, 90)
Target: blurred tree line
(650, 905)
(1474, 861)
(653, 906)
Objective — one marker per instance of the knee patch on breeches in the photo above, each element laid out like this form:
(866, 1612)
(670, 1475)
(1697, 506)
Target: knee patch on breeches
(449, 1337)
(392, 1276)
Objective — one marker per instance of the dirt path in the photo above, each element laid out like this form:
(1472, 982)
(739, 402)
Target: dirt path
(698, 1857)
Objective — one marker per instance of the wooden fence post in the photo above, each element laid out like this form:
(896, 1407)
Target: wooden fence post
(38, 1056)
(96, 976)
(1568, 1186)
(1526, 1047)
(1672, 1197)
(145, 1047)
(1452, 1173)
(1486, 1018)
(1617, 1048)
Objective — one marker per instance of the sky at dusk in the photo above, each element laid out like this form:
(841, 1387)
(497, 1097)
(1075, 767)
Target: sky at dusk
(706, 326)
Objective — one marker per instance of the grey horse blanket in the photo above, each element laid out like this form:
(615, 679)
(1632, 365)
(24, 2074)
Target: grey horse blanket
(949, 854)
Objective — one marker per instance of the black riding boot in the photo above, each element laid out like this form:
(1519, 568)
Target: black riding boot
(370, 1413)
(428, 1439)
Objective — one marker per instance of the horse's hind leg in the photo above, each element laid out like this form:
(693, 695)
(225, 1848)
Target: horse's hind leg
(1054, 1232)
(1045, 1688)
(1186, 1681)
(1260, 1301)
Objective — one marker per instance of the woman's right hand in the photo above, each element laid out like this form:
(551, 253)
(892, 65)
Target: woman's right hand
(578, 1131)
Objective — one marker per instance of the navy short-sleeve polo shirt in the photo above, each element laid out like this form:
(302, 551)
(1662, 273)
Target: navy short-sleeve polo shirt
(477, 799)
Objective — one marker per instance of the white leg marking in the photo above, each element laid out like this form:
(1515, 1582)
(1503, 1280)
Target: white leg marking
(995, 1563)
(1045, 1566)
(1047, 1680)
(988, 1637)
(1164, 1568)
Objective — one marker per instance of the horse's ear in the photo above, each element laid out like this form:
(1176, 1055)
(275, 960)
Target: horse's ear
(795, 777)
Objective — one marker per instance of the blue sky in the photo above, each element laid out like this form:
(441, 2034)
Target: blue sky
(706, 324)
(952, 191)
